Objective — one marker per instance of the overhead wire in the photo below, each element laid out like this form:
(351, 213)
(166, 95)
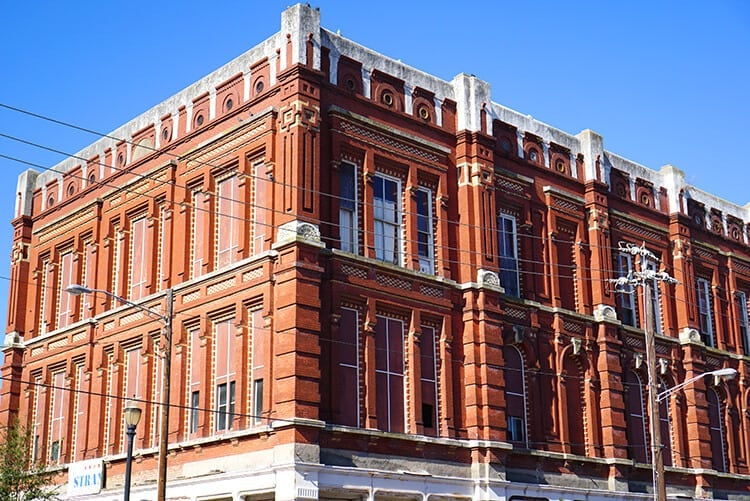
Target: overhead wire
(575, 270)
(520, 271)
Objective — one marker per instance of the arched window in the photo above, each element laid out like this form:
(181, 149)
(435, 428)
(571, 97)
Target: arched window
(515, 396)
(716, 427)
(573, 381)
(665, 428)
(636, 417)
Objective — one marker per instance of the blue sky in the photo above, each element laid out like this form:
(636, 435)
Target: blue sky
(662, 81)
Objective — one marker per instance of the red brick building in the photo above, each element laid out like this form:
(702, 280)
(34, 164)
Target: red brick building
(386, 286)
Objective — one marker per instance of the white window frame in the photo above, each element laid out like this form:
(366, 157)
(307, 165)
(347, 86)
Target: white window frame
(65, 278)
(356, 365)
(509, 277)
(525, 419)
(348, 216)
(626, 294)
(382, 223)
(391, 372)
(705, 315)
(138, 271)
(744, 323)
(720, 429)
(643, 414)
(426, 262)
(226, 246)
(225, 408)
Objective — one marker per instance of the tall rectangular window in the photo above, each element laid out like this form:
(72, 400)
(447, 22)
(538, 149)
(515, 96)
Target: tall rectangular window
(157, 387)
(515, 394)
(635, 417)
(45, 296)
(139, 255)
(347, 350)
(195, 359)
(261, 214)
(387, 219)
(108, 401)
(224, 373)
(195, 398)
(428, 380)
(259, 338)
(705, 316)
(742, 320)
(65, 313)
(508, 250)
(163, 250)
(425, 246)
(40, 393)
(132, 384)
(655, 298)
(199, 233)
(229, 221)
(225, 401)
(716, 430)
(625, 293)
(117, 268)
(348, 221)
(89, 275)
(59, 407)
(389, 374)
(80, 406)
(257, 401)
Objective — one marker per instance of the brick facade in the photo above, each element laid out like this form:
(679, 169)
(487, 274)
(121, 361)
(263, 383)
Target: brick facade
(386, 286)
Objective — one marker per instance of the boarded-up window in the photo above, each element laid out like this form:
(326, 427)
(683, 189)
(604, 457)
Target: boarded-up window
(574, 406)
(429, 381)
(229, 221)
(224, 374)
(259, 350)
(65, 313)
(346, 390)
(636, 417)
(131, 385)
(199, 233)
(59, 407)
(515, 395)
(81, 403)
(261, 213)
(195, 369)
(138, 267)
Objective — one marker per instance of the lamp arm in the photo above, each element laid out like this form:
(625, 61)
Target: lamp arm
(121, 299)
(664, 394)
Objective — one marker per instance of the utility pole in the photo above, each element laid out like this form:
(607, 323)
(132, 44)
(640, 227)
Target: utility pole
(161, 482)
(648, 279)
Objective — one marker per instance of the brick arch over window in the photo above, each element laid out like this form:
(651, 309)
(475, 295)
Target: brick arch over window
(635, 409)
(665, 425)
(572, 408)
(515, 396)
(717, 429)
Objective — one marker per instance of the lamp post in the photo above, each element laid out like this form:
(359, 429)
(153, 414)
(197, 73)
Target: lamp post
(726, 373)
(166, 318)
(132, 417)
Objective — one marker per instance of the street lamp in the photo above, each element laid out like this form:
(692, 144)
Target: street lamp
(132, 416)
(726, 373)
(658, 466)
(77, 290)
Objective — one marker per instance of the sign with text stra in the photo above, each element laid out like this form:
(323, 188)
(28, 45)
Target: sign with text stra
(85, 477)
